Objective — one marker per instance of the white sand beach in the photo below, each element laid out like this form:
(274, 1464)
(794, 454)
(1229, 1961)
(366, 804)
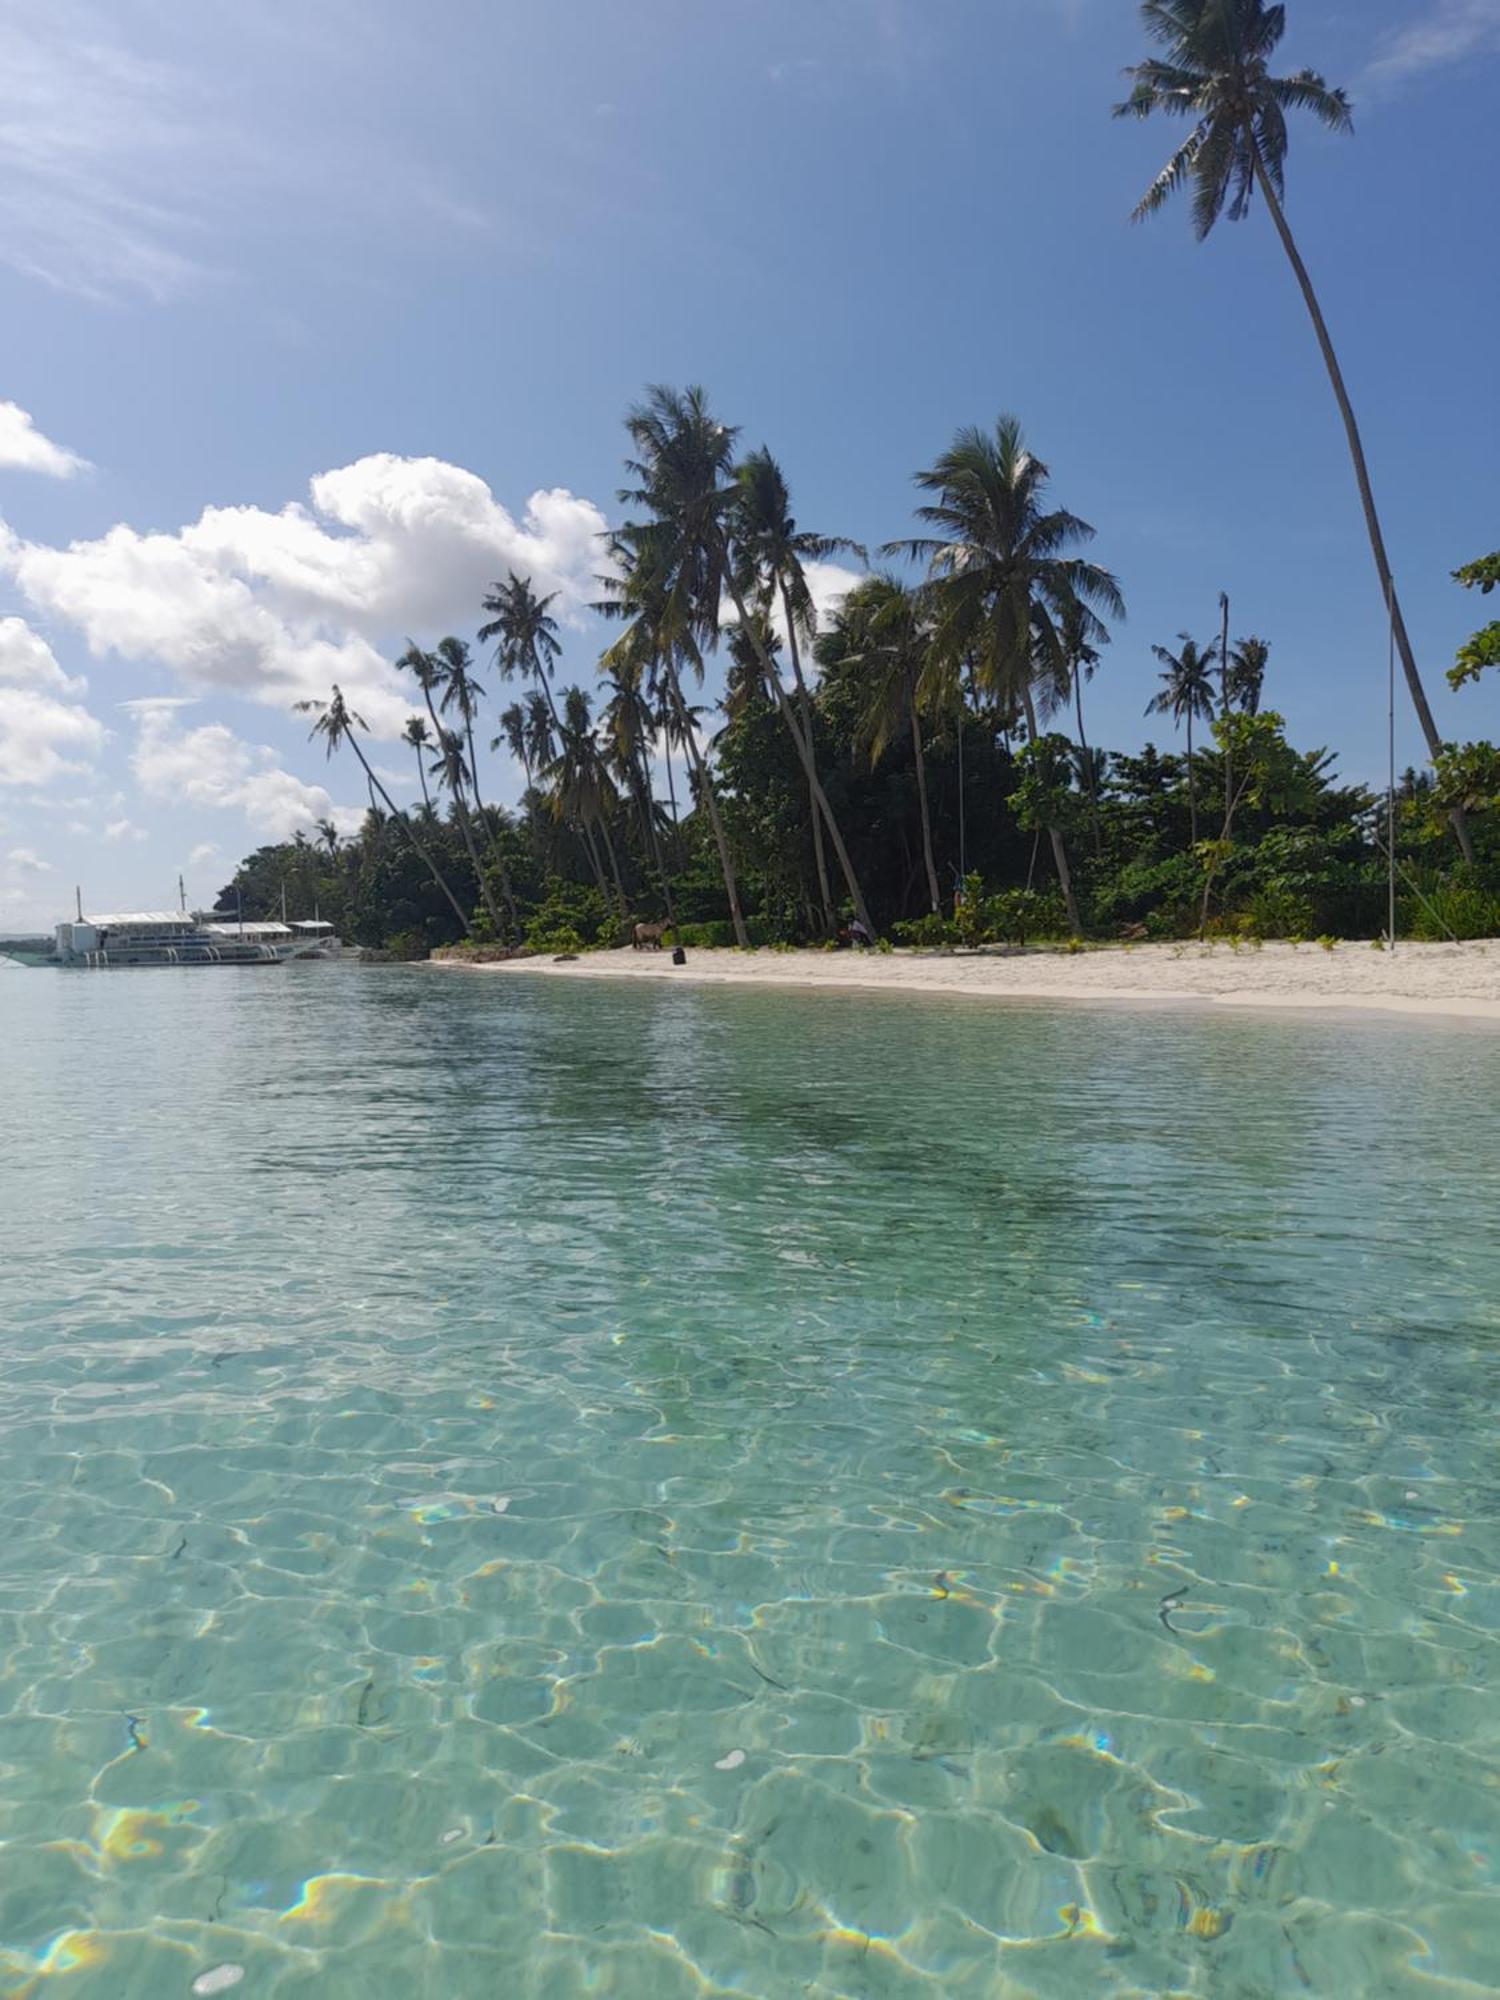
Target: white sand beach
(1454, 980)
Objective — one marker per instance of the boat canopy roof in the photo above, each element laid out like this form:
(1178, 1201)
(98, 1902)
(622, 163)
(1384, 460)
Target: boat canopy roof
(141, 919)
(311, 924)
(232, 929)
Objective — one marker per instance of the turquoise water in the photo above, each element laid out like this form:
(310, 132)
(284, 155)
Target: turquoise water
(523, 1489)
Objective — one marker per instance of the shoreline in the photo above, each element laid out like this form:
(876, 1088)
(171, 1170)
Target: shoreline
(1420, 981)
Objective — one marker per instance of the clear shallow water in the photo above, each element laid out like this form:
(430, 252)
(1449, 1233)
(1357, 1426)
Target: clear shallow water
(555, 1490)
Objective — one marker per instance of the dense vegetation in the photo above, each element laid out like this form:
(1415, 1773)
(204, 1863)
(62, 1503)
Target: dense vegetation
(922, 765)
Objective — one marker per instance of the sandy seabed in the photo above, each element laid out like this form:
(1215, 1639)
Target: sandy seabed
(1454, 980)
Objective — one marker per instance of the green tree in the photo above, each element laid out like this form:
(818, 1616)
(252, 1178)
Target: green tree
(1187, 692)
(1247, 673)
(1483, 650)
(1002, 572)
(525, 634)
(337, 724)
(461, 691)
(883, 633)
(774, 552)
(430, 675)
(1216, 72)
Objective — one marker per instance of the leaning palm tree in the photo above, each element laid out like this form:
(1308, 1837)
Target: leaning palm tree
(1187, 692)
(430, 675)
(512, 737)
(665, 578)
(461, 691)
(690, 542)
(774, 553)
(415, 733)
(1216, 72)
(883, 632)
(1002, 572)
(627, 724)
(1246, 676)
(337, 723)
(581, 790)
(525, 632)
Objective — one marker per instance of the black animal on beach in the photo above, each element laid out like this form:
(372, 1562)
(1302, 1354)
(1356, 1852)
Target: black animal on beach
(649, 936)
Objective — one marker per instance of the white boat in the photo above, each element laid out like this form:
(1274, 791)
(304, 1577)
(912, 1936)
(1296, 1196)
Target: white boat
(173, 937)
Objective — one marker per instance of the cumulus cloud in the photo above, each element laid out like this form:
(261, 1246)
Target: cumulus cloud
(23, 447)
(124, 829)
(211, 766)
(44, 732)
(278, 606)
(206, 850)
(26, 861)
(1450, 31)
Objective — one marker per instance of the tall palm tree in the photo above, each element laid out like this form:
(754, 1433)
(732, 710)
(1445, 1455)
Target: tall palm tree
(1187, 692)
(667, 573)
(1081, 633)
(1247, 673)
(1216, 72)
(882, 629)
(461, 691)
(430, 675)
(337, 723)
(512, 737)
(1002, 573)
(415, 733)
(581, 788)
(628, 728)
(687, 484)
(774, 552)
(525, 632)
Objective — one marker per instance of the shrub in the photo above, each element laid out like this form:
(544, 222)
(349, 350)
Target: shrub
(1456, 909)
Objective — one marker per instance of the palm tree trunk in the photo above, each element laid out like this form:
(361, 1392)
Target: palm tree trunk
(1192, 785)
(491, 837)
(1059, 847)
(465, 827)
(805, 702)
(1366, 492)
(934, 893)
(422, 774)
(432, 868)
(804, 752)
(1088, 765)
(647, 804)
(715, 819)
(614, 866)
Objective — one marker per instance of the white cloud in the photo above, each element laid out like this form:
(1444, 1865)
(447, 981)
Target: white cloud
(42, 739)
(1451, 31)
(204, 851)
(23, 447)
(26, 660)
(44, 733)
(26, 861)
(124, 829)
(278, 606)
(211, 766)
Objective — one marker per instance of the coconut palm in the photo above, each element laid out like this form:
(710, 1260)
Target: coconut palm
(1081, 633)
(628, 728)
(580, 788)
(512, 737)
(1003, 571)
(337, 724)
(687, 484)
(882, 630)
(1187, 691)
(666, 574)
(462, 692)
(774, 552)
(430, 675)
(1246, 676)
(415, 733)
(1216, 72)
(525, 632)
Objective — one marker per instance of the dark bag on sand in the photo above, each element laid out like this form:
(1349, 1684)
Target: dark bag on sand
(679, 956)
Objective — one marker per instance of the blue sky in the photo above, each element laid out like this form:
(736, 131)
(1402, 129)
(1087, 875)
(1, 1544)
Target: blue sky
(318, 315)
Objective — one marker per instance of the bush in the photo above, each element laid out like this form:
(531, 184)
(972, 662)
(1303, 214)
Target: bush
(716, 936)
(571, 911)
(559, 938)
(1455, 909)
